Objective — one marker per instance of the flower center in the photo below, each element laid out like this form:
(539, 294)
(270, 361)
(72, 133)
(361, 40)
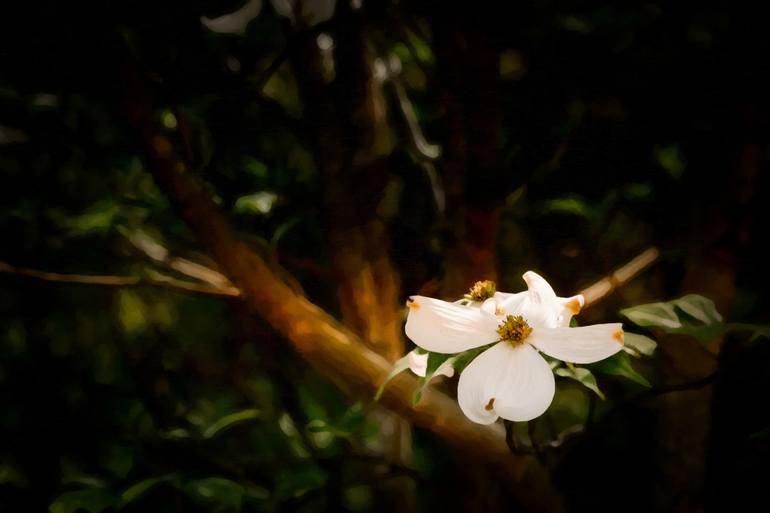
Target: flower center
(514, 329)
(482, 290)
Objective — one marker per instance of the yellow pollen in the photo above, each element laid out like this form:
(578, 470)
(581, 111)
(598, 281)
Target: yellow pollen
(514, 329)
(482, 290)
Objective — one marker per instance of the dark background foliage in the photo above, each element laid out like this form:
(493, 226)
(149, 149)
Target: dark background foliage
(573, 136)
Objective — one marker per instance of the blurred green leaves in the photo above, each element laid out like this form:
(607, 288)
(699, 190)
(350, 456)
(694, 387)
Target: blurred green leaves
(218, 493)
(229, 420)
(691, 315)
(94, 500)
(620, 365)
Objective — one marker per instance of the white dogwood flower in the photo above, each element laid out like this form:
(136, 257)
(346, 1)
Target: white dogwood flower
(510, 380)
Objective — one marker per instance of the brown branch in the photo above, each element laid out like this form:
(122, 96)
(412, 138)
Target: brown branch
(331, 348)
(604, 287)
(155, 280)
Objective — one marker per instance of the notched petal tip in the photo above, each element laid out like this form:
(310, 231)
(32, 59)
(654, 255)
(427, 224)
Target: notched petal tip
(574, 305)
(412, 303)
(530, 277)
(490, 405)
(619, 336)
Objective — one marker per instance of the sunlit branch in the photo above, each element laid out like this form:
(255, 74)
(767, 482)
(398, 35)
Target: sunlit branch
(154, 280)
(602, 288)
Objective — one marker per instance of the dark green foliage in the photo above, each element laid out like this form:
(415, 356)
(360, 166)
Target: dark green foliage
(621, 125)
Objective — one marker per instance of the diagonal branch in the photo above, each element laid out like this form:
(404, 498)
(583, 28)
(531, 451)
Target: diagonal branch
(154, 280)
(604, 287)
(331, 348)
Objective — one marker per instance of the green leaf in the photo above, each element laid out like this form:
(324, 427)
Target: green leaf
(570, 205)
(218, 490)
(620, 365)
(137, 490)
(261, 203)
(463, 359)
(298, 480)
(400, 366)
(699, 307)
(659, 315)
(119, 459)
(435, 361)
(229, 420)
(638, 345)
(691, 315)
(583, 375)
(94, 500)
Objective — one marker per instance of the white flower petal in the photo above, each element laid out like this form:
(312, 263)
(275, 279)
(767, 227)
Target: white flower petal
(568, 307)
(444, 327)
(539, 305)
(514, 383)
(539, 289)
(490, 306)
(418, 363)
(586, 344)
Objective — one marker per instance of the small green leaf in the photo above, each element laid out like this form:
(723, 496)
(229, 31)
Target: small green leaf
(298, 480)
(137, 490)
(462, 360)
(569, 205)
(620, 365)
(639, 345)
(659, 315)
(229, 420)
(218, 490)
(699, 307)
(261, 203)
(435, 360)
(94, 500)
(583, 375)
(400, 366)
(691, 315)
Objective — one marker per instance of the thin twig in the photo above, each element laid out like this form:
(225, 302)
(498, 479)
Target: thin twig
(678, 387)
(157, 252)
(619, 277)
(155, 280)
(274, 65)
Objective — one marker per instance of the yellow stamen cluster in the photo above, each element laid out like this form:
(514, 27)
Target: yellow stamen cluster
(482, 290)
(514, 329)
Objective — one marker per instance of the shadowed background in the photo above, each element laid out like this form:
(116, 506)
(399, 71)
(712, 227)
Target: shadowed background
(213, 213)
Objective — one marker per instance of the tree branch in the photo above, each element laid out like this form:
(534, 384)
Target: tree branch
(331, 348)
(604, 287)
(154, 280)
